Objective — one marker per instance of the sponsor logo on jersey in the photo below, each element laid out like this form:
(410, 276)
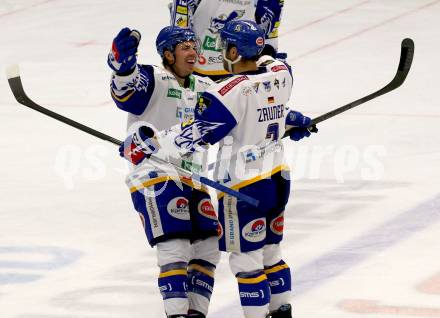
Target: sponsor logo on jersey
(191, 166)
(153, 214)
(168, 78)
(267, 86)
(225, 89)
(250, 156)
(276, 83)
(240, 2)
(255, 231)
(278, 68)
(215, 59)
(254, 294)
(174, 93)
(277, 224)
(182, 10)
(206, 209)
(201, 60)
(178, 208)
(260, 152)
(209, 44)
(270, 113)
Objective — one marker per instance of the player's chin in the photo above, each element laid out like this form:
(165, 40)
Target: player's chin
(189, 67)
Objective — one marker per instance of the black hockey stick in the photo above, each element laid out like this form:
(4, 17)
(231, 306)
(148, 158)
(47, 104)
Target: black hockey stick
(16, 85)
(406, 58)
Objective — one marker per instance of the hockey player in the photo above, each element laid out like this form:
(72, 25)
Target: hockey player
(246, 114)
(208, 17)
(179, 220)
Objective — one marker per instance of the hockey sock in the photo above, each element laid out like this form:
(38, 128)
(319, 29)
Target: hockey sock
(280, 284)
(172, 286)
(254, 293)
(200, 284)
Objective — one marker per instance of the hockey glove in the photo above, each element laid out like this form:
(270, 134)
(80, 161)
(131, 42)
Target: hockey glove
(300, 125)
(122, 56)
(267, 13)
(140, 145)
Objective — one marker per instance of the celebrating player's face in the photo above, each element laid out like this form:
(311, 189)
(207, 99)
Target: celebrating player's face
(186, 57)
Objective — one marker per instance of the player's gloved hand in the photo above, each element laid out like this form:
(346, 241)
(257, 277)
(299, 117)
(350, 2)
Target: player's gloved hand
(267, 13)
(140, 145)
(122, 56)
(301, 125)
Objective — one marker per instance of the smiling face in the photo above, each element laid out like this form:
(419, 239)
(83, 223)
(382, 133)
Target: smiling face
(185, 55)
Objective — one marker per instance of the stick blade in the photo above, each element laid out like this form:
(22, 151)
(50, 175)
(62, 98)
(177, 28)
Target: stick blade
(406, 56)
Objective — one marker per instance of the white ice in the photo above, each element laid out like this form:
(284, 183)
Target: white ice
(362, 225)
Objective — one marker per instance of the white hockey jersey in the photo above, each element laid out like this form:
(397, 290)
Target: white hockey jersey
(246, 114)
(207, 17)
(152, 96)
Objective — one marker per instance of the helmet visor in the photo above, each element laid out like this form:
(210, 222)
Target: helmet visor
(190, 45)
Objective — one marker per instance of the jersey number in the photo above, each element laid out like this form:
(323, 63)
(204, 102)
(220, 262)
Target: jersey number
(272, 131)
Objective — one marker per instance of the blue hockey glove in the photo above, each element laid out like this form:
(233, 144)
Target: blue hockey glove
(267, 13)
(122, 56)
(140, 145)
(300, 125)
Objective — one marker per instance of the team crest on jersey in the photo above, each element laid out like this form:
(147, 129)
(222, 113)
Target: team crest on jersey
(256, 87)
(255, 231)
(206, 209)
(185, 139)
(178, 208)
(225, 89)
(277, 224)
(202, 104)
(218, 23)
(267, 86)
(246, 91)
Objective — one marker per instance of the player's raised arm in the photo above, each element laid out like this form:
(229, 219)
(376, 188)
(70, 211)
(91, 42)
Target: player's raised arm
(268, 17)
(181, 12)
(132, 84)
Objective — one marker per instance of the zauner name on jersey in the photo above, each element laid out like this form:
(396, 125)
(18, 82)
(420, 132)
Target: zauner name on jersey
(270, 113)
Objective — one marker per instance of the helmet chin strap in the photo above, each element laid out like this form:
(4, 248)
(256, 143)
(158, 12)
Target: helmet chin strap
(229, 62)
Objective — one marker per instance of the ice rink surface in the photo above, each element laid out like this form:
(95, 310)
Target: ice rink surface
(362, 230)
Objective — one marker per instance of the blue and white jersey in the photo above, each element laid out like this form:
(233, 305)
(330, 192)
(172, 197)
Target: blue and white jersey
(152, 95)
(245, 114)
(207, 17)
